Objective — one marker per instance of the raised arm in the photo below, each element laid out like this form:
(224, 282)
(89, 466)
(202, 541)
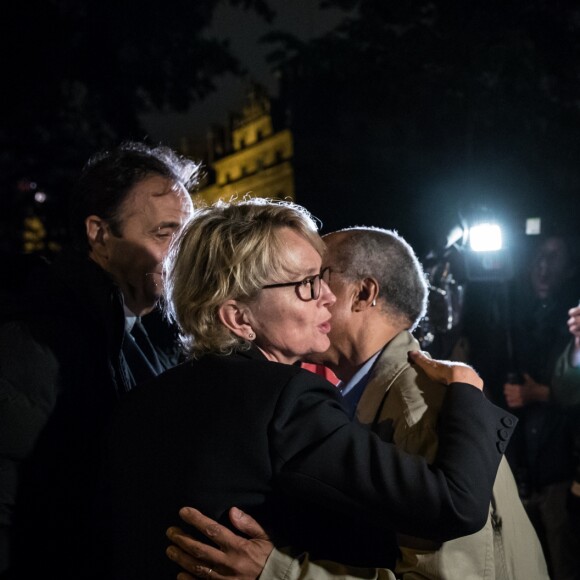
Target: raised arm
(566, 379)
(353, 471)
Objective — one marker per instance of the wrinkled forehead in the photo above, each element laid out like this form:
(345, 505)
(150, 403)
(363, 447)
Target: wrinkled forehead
(154, 187)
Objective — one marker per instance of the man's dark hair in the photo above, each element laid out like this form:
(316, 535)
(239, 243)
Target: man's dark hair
(109, 175)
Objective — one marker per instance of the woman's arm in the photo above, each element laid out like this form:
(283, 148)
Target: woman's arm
(351, 470)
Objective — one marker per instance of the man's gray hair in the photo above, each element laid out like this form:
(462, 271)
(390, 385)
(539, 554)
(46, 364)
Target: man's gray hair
(384, 255)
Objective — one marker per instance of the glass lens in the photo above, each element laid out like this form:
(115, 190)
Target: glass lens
(315, 287)
(309, 288)
(305, 289)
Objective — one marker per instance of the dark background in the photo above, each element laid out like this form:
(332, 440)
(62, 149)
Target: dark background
(404, 114)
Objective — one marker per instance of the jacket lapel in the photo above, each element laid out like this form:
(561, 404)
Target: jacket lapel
(388, 366)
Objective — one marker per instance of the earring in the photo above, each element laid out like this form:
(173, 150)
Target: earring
(251, 336)
(374, 302)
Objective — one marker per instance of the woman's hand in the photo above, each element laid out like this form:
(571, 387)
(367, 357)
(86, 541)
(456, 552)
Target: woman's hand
(444, 371)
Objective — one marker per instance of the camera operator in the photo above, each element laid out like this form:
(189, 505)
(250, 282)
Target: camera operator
(515, 336)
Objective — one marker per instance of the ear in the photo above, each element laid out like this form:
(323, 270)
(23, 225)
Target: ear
(97, 233)
(233, 315)
(368, 292)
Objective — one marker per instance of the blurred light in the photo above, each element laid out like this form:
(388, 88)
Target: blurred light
(485, 237)
(533, 226)
(40, 197)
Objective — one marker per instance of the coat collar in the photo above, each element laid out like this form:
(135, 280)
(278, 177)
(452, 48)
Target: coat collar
(389, 365)
(255, 353)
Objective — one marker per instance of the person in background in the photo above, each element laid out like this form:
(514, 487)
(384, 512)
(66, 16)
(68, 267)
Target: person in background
(68, 356)
(542, 452)
(381, 293)
(517, 367)
(566, 380)
(566, 384)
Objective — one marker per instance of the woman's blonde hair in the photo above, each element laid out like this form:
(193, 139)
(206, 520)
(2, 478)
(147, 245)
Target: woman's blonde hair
(227, 251)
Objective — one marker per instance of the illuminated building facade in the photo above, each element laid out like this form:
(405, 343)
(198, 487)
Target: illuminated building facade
(253, 156)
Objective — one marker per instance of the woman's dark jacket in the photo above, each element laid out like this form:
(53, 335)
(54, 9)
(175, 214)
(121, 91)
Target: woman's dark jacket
(275, 441)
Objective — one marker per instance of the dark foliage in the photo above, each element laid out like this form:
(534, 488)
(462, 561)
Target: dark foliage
(77, 75)
(423, 106)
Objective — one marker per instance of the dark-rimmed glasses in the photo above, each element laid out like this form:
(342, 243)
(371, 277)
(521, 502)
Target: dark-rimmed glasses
(307, 289)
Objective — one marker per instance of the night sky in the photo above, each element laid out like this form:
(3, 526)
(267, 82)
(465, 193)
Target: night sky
(448, 128)
(427, 216)
(243, 29)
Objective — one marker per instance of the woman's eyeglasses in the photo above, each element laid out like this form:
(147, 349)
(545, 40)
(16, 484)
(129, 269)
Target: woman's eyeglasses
(307, 289)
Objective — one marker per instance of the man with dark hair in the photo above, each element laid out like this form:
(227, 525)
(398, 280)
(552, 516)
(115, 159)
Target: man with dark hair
(381, 294)
(77, 346)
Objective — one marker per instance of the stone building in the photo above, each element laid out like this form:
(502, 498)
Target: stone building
(253, 155)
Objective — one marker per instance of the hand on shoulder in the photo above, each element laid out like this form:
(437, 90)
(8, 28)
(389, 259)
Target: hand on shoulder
(444, 371)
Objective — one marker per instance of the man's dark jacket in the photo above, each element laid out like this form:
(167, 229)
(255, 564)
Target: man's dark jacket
(276, 441)
(61, 374)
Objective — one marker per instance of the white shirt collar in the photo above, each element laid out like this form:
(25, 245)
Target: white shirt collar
(130, 319)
